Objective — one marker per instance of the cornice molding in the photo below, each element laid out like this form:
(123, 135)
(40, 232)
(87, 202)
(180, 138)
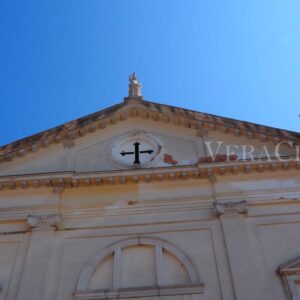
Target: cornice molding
(62, 180)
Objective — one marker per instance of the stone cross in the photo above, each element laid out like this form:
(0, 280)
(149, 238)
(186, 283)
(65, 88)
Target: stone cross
(136, 152)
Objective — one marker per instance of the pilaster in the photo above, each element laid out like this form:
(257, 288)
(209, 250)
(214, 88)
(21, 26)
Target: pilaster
(41, 242)
(244, 268)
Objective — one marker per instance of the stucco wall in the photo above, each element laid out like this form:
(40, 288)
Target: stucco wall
(233, 226)
(236, 254)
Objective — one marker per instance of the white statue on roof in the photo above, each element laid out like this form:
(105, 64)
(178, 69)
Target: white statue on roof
(135, 87)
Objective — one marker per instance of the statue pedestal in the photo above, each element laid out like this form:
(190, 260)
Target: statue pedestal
(139, 98)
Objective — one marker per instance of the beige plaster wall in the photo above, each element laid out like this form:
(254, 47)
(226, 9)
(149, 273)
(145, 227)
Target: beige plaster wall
(233, 254)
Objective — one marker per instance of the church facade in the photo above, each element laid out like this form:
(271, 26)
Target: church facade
(148, 201)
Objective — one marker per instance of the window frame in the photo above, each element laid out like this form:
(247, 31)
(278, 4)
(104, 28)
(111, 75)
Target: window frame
(83, 293)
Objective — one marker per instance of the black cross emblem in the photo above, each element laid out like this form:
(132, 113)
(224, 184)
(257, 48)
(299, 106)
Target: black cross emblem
(136, 152)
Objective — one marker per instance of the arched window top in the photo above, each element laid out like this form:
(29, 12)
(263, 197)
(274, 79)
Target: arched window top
(154, 262)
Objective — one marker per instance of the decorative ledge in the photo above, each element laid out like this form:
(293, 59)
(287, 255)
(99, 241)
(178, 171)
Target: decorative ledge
(61, 180)
(122, 293)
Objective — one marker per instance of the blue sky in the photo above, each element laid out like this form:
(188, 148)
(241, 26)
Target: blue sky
(61, 60)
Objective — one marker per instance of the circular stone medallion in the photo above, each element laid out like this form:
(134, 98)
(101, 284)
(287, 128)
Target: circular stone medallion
(138, 150)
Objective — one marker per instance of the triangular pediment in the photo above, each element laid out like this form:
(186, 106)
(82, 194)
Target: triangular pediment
(290, 266)
(172, 136)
